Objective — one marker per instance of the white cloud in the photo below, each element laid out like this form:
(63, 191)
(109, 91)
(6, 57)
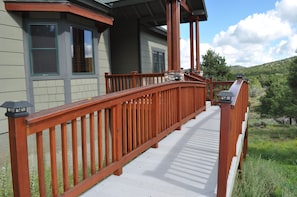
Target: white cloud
(259, 38)
(287, 10)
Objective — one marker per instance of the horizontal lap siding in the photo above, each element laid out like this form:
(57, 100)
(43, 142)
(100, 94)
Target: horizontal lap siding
(104, 60)
(12, 70)
(149, 42)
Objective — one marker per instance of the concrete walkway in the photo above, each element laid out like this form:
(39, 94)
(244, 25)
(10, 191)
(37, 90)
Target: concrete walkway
(184, 165)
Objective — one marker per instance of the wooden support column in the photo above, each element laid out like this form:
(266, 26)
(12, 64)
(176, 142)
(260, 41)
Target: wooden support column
(197, 46)
(192, 45)
(169, 34)
(173, 34)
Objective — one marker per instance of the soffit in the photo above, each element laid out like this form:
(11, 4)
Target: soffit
(153, 12)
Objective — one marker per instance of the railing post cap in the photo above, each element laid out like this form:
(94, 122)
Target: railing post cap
(16, 109)
(226, 96)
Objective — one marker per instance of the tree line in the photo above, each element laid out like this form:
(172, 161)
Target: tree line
(275, 83)
(280, 98)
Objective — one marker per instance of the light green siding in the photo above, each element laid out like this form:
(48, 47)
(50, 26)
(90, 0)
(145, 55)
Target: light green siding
(83, 89)
(104, 60)
(148, 42)
(48, 94)
(12, 70)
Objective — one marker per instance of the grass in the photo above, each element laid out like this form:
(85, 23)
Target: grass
(6, 188)
(271, 165)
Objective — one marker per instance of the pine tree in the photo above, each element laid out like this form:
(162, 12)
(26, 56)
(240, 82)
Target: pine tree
(215, 66)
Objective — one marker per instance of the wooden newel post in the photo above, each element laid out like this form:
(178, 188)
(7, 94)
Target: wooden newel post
(225, 103)
(16, 113)
(107, 83)
(134, 79)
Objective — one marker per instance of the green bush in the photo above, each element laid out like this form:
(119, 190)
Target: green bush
(259, 178)
(271, 166)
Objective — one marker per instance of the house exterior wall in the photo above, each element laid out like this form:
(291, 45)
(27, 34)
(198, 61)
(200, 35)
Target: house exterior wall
(83, 88)
(148, 43)
(16, 81)
(12, 71)
(125, 46)
(132, 45)
(48, 94)
(104, 59)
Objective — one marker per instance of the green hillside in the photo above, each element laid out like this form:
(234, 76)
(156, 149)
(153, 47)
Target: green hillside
(280, 67)
(271, 165)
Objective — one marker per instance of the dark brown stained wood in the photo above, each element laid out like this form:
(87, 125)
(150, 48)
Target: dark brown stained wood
(58, 7)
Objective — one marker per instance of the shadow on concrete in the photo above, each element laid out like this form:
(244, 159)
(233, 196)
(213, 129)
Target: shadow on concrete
(192, 163)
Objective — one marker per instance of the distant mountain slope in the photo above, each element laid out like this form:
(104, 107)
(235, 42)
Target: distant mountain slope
(280, 67)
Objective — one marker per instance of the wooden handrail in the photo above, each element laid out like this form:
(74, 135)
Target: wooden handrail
(119, 82)
(98, 136)
(233, 136)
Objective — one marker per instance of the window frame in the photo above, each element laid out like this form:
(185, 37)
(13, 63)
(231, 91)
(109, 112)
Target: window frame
(30, 49)
(163, 66)
(71, 25)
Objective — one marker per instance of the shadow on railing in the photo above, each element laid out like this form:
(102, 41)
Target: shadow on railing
(79, 144)
(233, 134)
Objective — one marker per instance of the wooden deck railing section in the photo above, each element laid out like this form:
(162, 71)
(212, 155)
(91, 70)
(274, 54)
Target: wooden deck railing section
(97, 136)
(119, 82)
(215, 87)
(233, 136)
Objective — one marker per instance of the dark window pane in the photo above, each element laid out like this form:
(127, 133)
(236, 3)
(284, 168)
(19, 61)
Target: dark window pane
(158, 61)
(43, 36)
(82, 50)
(43, 49)
(44, 61)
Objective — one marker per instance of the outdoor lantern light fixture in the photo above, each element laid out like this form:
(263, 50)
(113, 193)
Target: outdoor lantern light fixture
(16, 109)
(239, 76)
(226, 96)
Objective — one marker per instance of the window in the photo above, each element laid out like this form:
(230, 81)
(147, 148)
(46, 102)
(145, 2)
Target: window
(43, 49)
(82, 50)
(158, 61)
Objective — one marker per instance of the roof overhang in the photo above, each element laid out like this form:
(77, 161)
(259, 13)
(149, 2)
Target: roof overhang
(60, 6)
(153, 12)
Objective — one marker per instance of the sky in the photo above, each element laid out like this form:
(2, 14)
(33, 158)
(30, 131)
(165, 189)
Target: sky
(246, 32)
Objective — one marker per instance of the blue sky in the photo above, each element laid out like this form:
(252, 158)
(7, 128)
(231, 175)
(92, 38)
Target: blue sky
(247, 32)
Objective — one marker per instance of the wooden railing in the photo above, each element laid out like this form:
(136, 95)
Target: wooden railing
(233, 136)
(215, 87)
(119, 82)
(81, 143)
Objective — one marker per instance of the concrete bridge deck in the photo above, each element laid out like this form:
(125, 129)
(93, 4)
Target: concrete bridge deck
(184, 165)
